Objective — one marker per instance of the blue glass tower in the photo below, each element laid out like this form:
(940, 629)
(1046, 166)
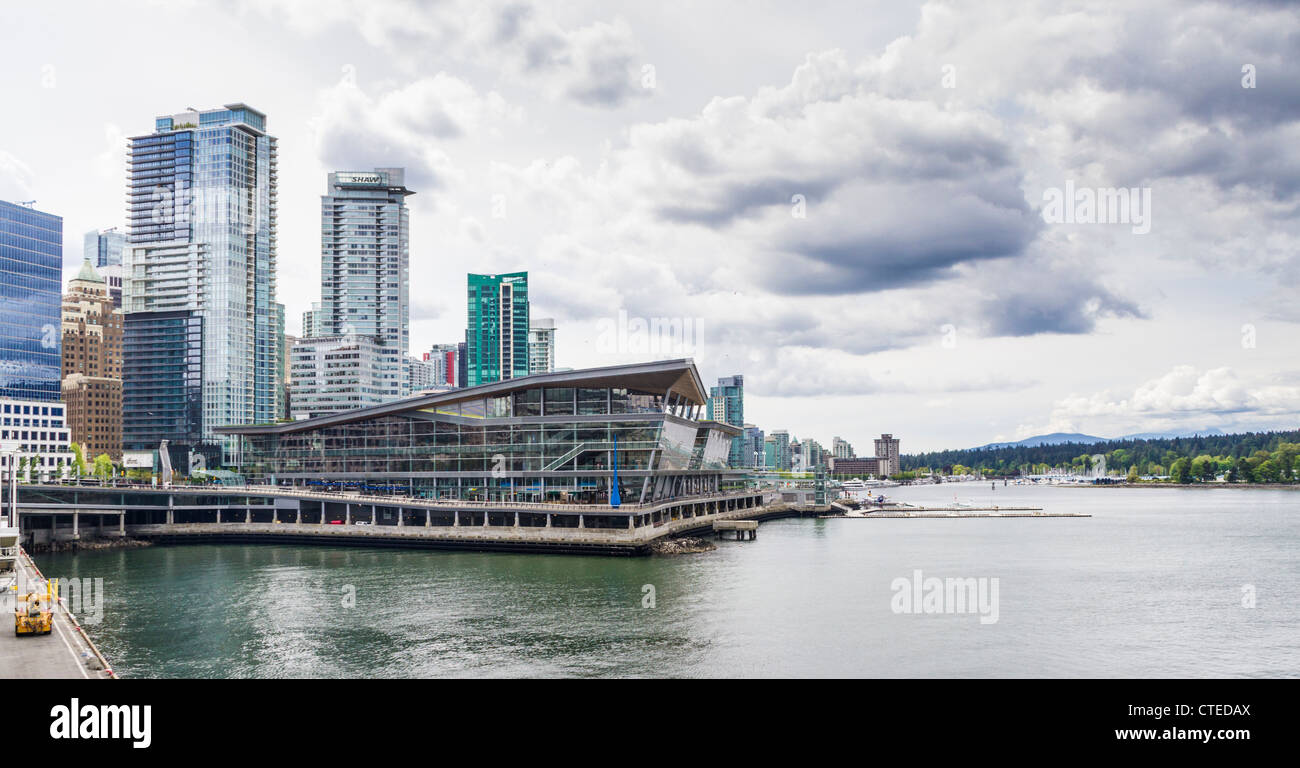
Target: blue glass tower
(31, 301)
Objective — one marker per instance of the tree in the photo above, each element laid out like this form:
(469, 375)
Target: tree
(1181, 470)
(78, 459)
(1133, 474)
(103, 466)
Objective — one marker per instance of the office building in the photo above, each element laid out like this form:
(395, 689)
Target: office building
(92, 365)
(778, 456)
(334, 374)
(31, 287)
(419, 374)
(841, 449)
(496, 335)
(103, 247)
(201, 247)
(541, 345)
(754, 439)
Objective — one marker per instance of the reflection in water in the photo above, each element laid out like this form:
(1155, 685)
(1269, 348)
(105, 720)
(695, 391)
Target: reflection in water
(1152, 585)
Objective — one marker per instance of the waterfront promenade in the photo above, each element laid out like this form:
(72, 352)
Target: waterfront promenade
(65, 653)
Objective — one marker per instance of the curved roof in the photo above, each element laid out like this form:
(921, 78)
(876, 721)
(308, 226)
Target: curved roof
(668, 376)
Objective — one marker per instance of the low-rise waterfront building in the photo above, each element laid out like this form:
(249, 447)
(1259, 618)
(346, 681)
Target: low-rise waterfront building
(571, 436)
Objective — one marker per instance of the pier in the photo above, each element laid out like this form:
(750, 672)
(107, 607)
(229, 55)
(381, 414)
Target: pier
(741, 528)
(268, 514)
(65, 653)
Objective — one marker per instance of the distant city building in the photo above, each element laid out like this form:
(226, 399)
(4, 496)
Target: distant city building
(462, 365)
(727, 405)
(541, 345)
(281, 363)
(332, 374)
(859, 467)
(113, 279)
(419, 374)
(311, 321)
(286, 376)
(811, 455)
(92, 365)
(445, 364)
(754, 439)
(496, 334)
(202, 205)
(103, 247)
(841, 448)
(31, 284)
(779, 456)
(887, 449)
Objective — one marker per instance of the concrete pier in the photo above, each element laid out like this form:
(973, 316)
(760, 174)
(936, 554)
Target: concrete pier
(65, 653)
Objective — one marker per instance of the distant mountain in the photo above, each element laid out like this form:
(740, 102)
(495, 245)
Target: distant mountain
(1060, 438)
(1172, 434)
(1056, 438)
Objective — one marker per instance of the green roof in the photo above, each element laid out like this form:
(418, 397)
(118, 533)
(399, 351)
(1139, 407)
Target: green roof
(88, 273)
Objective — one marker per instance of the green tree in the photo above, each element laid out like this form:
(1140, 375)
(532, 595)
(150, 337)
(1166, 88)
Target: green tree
(1132, 474)
(103, 466)
(1181, 470)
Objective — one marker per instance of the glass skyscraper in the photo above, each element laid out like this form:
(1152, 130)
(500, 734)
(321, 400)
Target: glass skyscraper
(31, 303)
(201, 239)
(104, 247)
(497, 332)
(365, 257)
(727, 405)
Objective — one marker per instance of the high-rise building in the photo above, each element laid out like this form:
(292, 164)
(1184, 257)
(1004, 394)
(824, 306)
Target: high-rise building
(754, 439)
(31, 287)
(365, 257)
(841, 449)
(887, 449)
(201, 242)
(727, 405)
(103, 247)
(462, 365)
(311, 321)
(541, 345)
(92, 364)
(780, 454)
(281, 363)
(497, 331)
(419, 374)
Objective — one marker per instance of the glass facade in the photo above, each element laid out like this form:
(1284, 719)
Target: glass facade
(496, 334)
(162, 373)
(727, 404)
(31, 303)
(202, 214)
(104, 247)
(537, 442)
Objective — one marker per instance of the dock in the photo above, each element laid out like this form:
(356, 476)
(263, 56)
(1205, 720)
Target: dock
(65, 653)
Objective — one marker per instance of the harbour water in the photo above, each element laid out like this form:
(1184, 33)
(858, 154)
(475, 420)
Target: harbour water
(1159, 582)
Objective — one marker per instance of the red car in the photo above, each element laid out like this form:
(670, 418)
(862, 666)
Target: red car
(336, 522)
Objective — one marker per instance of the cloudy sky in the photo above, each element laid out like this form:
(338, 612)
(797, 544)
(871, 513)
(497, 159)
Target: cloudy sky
(857, 205)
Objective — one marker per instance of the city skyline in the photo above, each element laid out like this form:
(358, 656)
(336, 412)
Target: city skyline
(607, 180)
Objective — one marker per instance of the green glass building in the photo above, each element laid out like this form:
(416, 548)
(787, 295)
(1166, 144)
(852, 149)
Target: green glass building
(496, 334)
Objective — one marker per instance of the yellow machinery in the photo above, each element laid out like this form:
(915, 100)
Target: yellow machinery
(32, 612)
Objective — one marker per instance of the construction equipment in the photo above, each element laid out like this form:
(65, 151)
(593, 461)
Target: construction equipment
(32, 612)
